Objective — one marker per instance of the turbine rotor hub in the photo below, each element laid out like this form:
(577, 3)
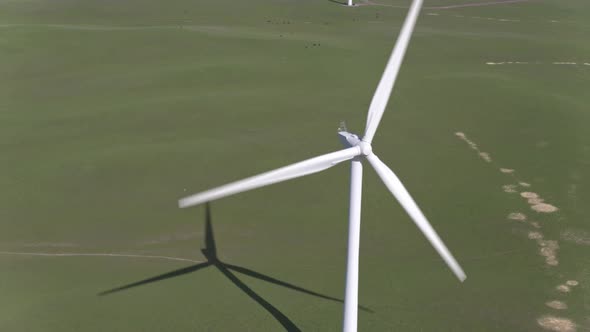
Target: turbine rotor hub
(366, 148)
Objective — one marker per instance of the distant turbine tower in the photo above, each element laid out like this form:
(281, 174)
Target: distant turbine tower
(355, 150)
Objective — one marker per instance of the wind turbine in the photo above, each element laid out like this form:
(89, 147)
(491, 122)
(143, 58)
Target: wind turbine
(356, 150)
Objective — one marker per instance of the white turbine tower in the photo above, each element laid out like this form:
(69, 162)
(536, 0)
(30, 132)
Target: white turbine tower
(356, 150)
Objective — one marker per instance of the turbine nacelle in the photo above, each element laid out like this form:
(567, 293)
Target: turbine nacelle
(347, 138)
(350, 140)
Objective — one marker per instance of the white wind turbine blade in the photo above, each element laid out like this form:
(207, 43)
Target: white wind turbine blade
(381, 96)
(399, 191)
(296, 170)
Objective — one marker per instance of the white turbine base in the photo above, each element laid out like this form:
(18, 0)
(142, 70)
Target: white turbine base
(352, 264)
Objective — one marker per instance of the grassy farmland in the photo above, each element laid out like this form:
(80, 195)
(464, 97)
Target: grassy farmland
(112, 110)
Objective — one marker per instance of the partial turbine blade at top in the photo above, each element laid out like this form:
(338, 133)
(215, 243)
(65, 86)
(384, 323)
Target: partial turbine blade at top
(381, 96)
(401, 194)
(299, 169)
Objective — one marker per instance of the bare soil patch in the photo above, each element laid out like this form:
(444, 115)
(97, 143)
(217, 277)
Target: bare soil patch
(529, 195)
(534, 235)
(535, 201)
(558, 305)
(485, 156)
(544, 208)
(563, 288)
(517, 216)
(549, 251)
(509, 188)
(558, 324)
(535, 224)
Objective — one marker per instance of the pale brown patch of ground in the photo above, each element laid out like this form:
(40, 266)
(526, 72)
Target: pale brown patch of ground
(558, 305)
(549, 251)
(544, 208)
(464, 138)
(572, 283)
(535, 201)
(524, 184)
(563, 288)
(529, 195)
(485, 156)
(535, 224)
(576, 236)
(506, 170)
(517, 216)
(551, 245)
(535, 235)
(557, 324)
(509, 188)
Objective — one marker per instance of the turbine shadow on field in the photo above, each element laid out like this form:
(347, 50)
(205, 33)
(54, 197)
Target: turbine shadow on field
(210, 253)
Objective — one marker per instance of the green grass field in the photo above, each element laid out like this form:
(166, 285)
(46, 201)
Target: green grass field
(110, 111)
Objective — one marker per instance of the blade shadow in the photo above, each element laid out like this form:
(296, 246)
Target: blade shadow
(276, 313)
(272, 280)
(210, 253)
(168, 275)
